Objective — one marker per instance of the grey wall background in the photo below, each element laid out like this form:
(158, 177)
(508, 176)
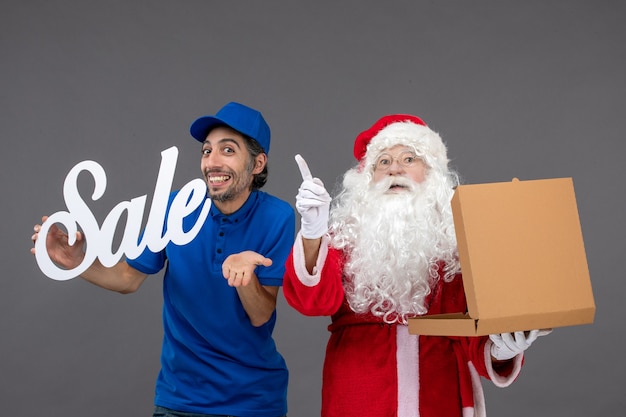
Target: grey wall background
(528, 89)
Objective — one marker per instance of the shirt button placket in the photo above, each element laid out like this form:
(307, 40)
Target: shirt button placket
(221, 238)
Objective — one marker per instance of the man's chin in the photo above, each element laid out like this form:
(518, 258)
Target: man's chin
(220, 196)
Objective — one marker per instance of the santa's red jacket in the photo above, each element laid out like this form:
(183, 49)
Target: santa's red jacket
(380, 370)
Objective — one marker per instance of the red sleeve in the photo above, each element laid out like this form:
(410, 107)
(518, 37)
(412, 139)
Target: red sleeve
(325, 296)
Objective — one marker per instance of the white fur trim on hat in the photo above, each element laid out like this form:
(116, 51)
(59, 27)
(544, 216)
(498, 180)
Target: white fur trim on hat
(426, 143)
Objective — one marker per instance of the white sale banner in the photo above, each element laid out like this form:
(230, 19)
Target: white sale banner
(100, 238)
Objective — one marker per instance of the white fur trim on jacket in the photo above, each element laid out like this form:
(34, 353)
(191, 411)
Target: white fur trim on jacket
(299, 264)
(479, 410)
(497, 379)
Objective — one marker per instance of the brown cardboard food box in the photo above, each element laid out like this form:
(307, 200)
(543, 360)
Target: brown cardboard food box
(522, 257)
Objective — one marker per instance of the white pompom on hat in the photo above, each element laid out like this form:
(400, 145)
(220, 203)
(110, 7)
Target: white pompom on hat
(401, 129)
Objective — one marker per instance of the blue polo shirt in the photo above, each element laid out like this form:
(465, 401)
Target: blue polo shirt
(213, 360)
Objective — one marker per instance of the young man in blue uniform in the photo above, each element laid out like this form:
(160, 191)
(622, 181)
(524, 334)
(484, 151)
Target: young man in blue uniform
(218, 356)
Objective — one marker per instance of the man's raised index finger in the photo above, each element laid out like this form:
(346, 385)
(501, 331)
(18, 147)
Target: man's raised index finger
(304, 168)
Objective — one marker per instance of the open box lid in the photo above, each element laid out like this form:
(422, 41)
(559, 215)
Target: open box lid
(522, 258)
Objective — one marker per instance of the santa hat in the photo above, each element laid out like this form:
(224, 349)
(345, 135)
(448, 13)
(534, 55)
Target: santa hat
(400, 129)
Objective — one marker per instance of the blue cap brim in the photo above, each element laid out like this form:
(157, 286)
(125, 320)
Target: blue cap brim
(203, 125)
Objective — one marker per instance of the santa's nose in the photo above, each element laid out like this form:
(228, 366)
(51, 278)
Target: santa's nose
(395, 167)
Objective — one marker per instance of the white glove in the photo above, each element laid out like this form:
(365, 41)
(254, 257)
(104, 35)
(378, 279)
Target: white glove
(312, 202)
(508, 345)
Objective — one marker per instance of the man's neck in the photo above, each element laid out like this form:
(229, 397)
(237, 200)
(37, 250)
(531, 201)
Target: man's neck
(231, 206)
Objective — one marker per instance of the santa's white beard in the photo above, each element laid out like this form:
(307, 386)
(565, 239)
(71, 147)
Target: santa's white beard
(394, 242)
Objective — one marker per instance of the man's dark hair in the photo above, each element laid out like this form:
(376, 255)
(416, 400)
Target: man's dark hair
(255, 150)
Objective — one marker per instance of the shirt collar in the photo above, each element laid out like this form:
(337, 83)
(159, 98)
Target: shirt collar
(243, 211)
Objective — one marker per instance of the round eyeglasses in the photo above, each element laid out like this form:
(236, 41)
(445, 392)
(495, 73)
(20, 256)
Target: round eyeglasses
(406, 159)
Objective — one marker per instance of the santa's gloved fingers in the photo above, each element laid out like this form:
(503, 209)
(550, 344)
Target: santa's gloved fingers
(507, 345)
(318, 182)
(508, 340)
(513, 342)
(503, 346)
(312, 202)
(532, 336)
(305, 198)
(304, 168)
(314, 187)
(305, 206)
(523, 340)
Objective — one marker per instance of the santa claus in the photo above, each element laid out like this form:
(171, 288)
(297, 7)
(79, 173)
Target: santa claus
(384, 253)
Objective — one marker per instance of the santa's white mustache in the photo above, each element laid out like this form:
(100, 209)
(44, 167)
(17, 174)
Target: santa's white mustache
(389, 182)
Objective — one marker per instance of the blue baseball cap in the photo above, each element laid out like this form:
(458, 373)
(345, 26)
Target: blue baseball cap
(243, 119)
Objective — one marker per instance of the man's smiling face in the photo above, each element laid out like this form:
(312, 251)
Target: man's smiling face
(228, 168)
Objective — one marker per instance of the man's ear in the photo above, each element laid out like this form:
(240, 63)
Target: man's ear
(259, 163)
